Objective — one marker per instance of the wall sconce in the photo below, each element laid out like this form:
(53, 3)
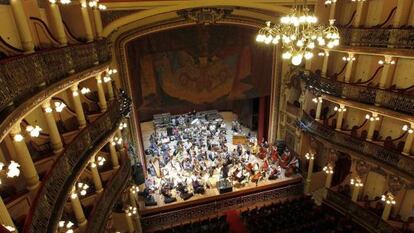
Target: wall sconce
(131, 211)
(408, 129)
(59, 106)
(112, 71)
(123, 126)
(388, 198)
(12, 169)
(328, 169)
(34, 131)
(63, 2)
(106, 79)
(134, 189)
(94, 4)
(81, 189)
(100, 160)
(317, 100)
(358, 0)
(18, 138)
(116, 140)
(66, 226)
(309, 156)
(323, 54)
(85, 90)
(329, 2)
(387, 62)
(349, 58)
(372, 118)
(339, 109)
(357, 182)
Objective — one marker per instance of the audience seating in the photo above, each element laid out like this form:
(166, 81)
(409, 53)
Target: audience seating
(216, 225)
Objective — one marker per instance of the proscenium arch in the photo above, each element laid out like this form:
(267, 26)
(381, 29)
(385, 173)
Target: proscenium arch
(188, 5)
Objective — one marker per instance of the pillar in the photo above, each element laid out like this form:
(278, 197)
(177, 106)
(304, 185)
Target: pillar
(355, 193)
(22, 25)
(318, 110)
(57, 24)
(332, 10)
(54, 134)
(348, 69)
(360, 14)
(371, 126)
(78, 210)
(80, 115)
(261, 121)
(130, 224)
(24, 159)
(310, 170)
(114, 155)
(86, 21)
(328, 180)
(5, 218)
(110, 90)
(386, 74)
(325, 63)
(408, 142)
(101, 94)
(340, 117)
(386, 212)
(98, 22)
(132, 199)
(95, 176)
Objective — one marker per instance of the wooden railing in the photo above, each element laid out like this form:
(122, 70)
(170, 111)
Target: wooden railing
(103, 208)
(401, 38)
(48, 205)
(24, 75)
(365, 94)
(362, 216)
(203, 210)
(393, 159)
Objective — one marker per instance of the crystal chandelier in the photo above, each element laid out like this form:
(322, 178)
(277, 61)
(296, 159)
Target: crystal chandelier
(299, 33)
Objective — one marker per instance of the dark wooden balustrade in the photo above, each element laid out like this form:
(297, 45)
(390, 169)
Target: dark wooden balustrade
(103, 208)
(56, 187)
(362, 216)
(393, 159)
(22, 76)
(401, 38)
(396, 101)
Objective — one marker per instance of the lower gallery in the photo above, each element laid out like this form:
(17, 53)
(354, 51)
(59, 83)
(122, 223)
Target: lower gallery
(191, 116)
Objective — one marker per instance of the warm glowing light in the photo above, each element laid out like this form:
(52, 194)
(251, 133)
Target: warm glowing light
(357, 182)
(408, 129)
(339, 109)
(85, 90)
(388, 198)
(100, 160)
(317, 100)
(372, 118)
(309, 156)
(329, 2)
(18, 137)
(107, 79)
(328, 169)
(387, 62)
(131, 210)
(347, 59)
(134, 189)
(59, 106)
(13, 169)
(33, 131)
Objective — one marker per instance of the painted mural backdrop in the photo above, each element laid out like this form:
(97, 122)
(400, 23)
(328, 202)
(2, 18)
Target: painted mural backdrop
(199, 65)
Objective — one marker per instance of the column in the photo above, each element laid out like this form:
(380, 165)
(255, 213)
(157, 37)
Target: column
(22, 25)
(348, 69)
(355, 193)
(340, 117)
(328, 180)
(86, 21)
(387, 73)
(359, 15)
(132, 199)
(24, 159)
(130, 224)
(318, 109)
(110, 90)
(80, 115)
(114, 155)
(371, 126)
(54, 134)
(57, 23)
(95, 176)
(5, 218)
(387, 209)
(408, 141)
(261, 123)
(78, 210)
(101, 93)
(98, 22)
(325, 63)
(310, 157)
(332, 10)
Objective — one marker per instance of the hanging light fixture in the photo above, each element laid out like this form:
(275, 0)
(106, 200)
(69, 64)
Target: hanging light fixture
(299, 34)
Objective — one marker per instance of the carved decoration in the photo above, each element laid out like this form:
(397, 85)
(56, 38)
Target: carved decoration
(362, 168)
(395, 184)
(109, 16)
(205, 16)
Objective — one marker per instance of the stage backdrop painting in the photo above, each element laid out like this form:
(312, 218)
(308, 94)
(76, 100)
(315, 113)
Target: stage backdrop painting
(198, 67)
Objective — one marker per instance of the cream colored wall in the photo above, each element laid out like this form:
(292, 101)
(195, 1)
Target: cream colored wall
(8, 29)
(36, 117)
(354, 117)
(344, 11)
(378, 11)
(72, 16)
(375, 185)
(404, 71)
(335, 63)
(391, 127)
(407, 207)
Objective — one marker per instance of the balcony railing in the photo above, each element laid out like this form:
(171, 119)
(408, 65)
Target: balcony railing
(57, 185)
(360, 215)
(24, 75)
(401, 38)
(103, 207)
(393, 159)
(369, 95)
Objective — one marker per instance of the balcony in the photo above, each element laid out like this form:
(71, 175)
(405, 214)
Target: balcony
(392, 159)
(389, 99)
(23, 76)
(396, 38)
(364, 217)
(103, 208)
(56, 186)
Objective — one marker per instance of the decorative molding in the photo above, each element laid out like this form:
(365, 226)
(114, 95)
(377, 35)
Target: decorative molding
(205, 16)
(109, 16)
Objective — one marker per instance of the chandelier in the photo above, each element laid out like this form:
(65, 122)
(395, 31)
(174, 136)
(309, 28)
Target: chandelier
(299, 33)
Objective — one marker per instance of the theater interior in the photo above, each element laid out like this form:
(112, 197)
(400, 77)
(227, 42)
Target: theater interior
(218, 116)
